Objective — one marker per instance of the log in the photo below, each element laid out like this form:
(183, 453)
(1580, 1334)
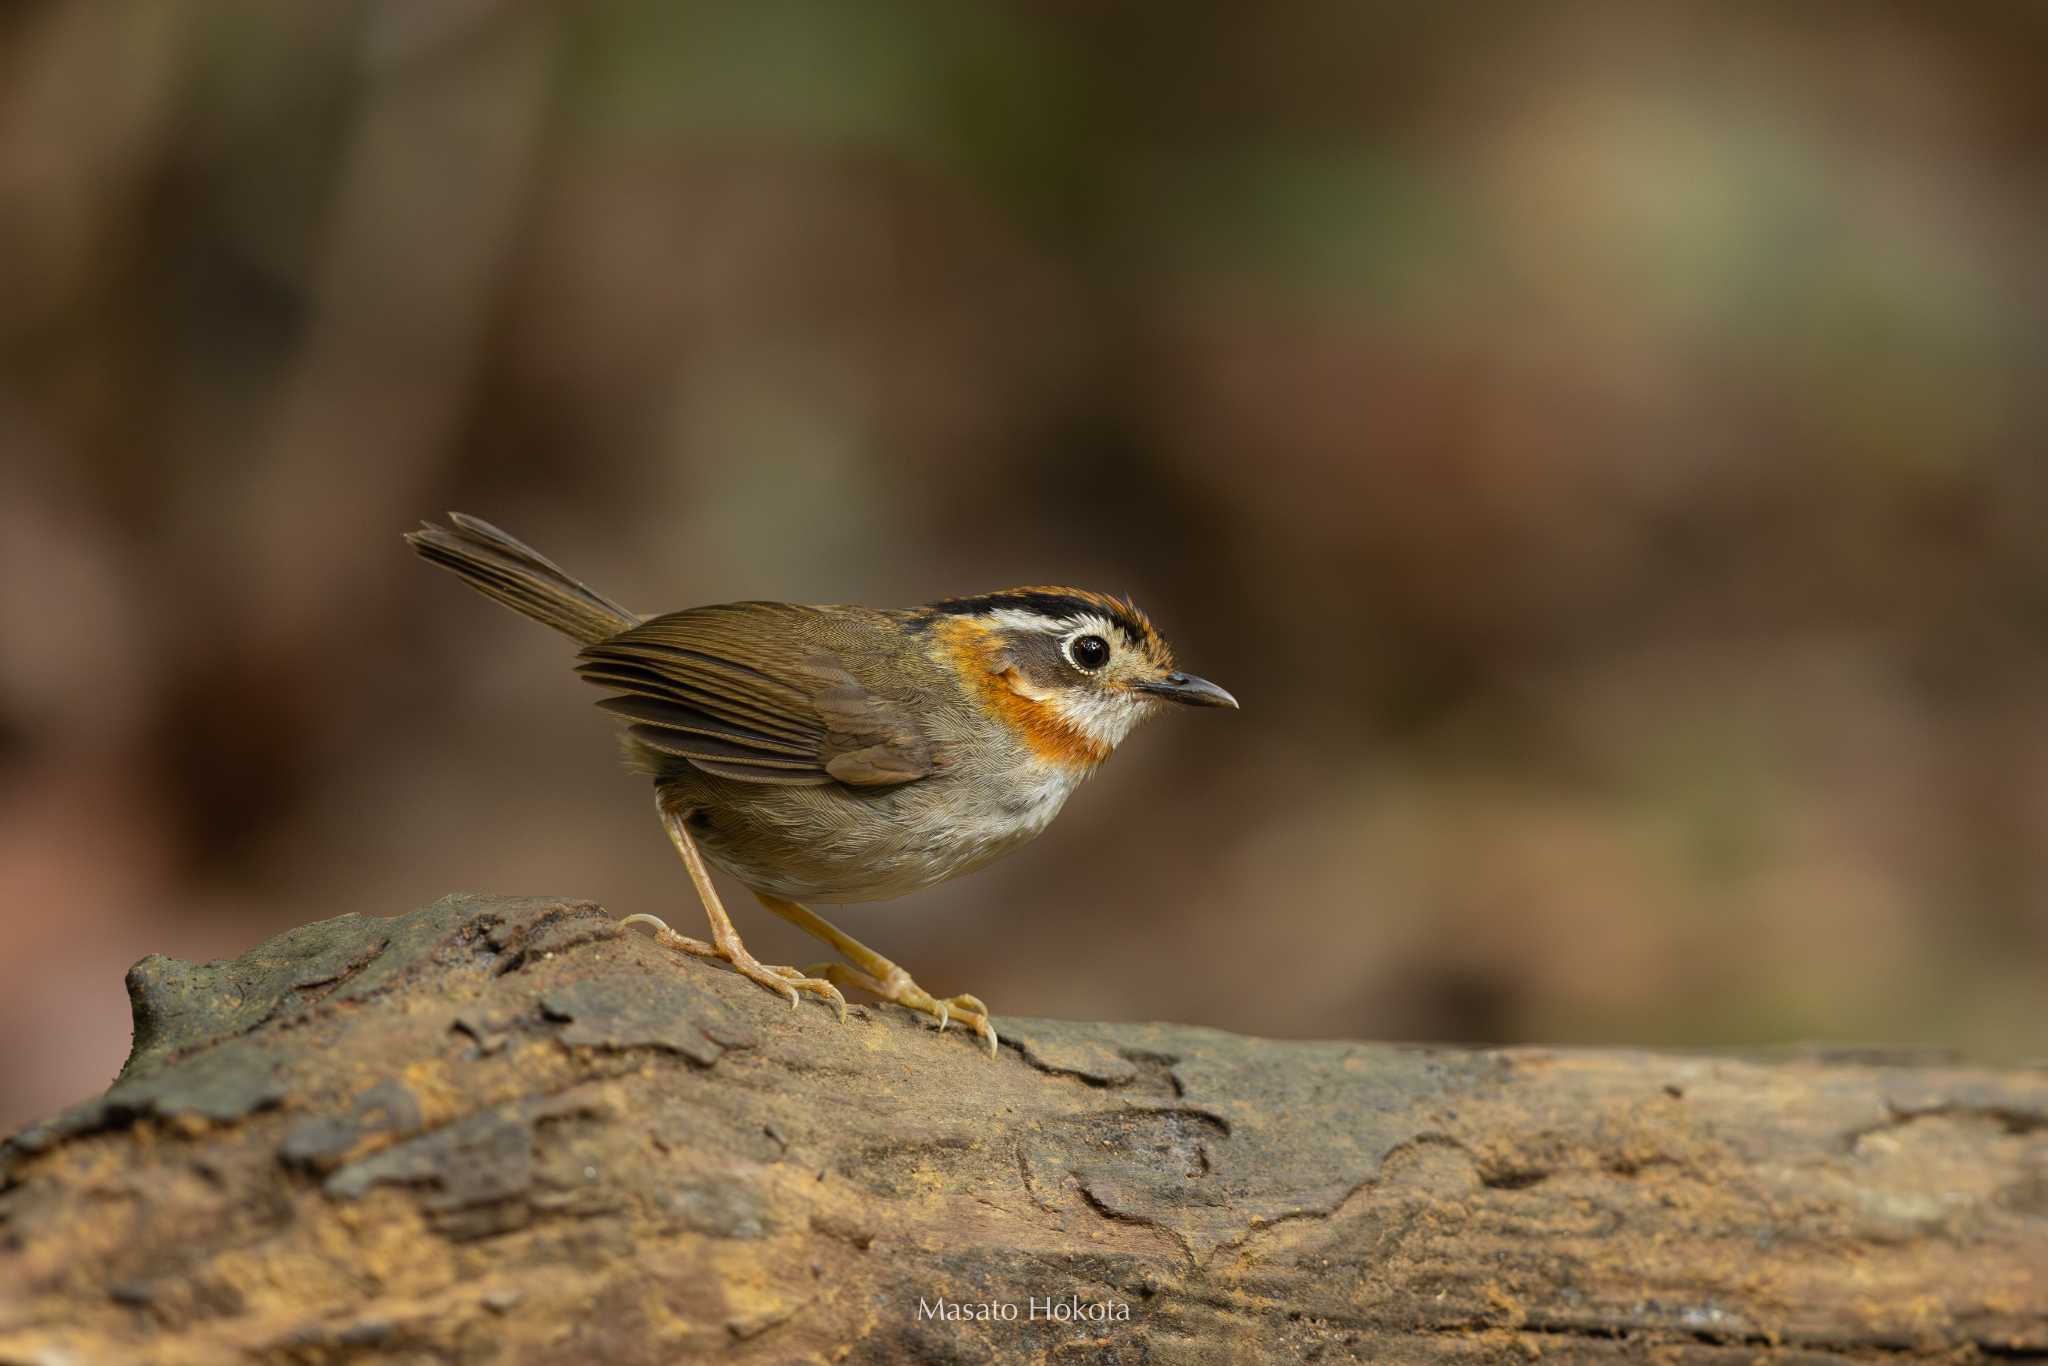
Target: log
(502, 1130)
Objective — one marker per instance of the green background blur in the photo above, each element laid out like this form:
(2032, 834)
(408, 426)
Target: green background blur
(1601, 444)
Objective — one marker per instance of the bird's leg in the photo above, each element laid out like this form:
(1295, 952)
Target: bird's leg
(725, 940)
(873, 973)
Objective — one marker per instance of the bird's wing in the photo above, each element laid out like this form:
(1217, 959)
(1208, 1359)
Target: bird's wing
(753, 692)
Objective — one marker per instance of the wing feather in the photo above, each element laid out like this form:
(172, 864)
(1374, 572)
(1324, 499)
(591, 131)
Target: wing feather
(676, 717)
(687, 746)
(659, 685)
(744, 691)
(747, 773)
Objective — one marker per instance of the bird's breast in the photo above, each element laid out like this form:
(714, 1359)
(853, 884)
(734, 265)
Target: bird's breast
(822, 844)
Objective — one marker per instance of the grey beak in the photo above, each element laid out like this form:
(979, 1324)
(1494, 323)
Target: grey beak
(1195, 692)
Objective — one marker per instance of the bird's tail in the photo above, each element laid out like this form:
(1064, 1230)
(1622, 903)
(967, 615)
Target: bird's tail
(519, 576)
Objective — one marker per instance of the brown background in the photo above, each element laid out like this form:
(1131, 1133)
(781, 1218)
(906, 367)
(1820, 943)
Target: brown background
(1602, 445)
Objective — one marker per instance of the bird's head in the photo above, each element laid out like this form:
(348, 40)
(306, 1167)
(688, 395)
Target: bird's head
(1070, 671)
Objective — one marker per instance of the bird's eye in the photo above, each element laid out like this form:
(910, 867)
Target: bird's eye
(1089, 652)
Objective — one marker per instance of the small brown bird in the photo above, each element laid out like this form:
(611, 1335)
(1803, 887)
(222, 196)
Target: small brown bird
(845, 753)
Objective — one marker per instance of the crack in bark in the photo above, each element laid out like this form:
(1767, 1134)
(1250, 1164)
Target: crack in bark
(2013, 1120)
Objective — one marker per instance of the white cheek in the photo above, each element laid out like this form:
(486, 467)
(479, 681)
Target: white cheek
(1105, 718)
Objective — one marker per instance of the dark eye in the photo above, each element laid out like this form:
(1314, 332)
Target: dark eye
(1089, 652)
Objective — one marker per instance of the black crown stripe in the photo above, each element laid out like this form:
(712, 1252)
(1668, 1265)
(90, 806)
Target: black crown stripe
(1055, 606)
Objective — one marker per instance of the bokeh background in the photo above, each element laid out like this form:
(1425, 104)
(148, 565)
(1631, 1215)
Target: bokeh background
(1601, 443)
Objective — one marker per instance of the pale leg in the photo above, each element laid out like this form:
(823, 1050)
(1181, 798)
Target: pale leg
(725, 942)
(871, 972)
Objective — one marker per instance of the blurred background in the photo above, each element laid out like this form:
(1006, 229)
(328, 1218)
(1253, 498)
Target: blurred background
(1601, 443)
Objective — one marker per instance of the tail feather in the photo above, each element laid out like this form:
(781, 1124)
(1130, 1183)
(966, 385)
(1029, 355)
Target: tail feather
(506, 568)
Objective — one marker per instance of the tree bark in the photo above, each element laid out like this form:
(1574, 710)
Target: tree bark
(500, 1129)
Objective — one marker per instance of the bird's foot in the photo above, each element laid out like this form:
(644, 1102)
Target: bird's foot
(896, 986)
(783, 981)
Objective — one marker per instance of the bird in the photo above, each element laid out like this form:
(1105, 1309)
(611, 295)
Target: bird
(844, 754)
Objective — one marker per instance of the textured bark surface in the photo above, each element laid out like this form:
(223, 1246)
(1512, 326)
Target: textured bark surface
(500, 1130)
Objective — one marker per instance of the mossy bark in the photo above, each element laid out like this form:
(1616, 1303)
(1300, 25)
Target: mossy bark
(500, 1130)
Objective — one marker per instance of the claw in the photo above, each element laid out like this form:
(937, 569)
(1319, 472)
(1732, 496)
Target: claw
(945, 1014)
(725, 940)
(786, 982)
(814, 978)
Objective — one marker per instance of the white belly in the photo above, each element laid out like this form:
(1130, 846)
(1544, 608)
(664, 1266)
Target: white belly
(904, 839)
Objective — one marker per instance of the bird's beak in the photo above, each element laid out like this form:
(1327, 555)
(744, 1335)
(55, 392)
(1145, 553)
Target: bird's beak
(1195, 692)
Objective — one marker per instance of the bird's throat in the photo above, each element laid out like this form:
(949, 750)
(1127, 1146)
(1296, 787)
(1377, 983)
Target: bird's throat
(1051, 736)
